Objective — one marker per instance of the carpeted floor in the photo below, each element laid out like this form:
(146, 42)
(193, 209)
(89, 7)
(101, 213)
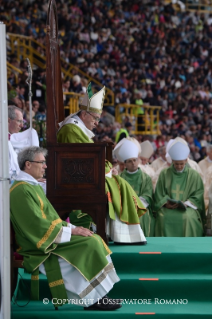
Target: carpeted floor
(167, 278)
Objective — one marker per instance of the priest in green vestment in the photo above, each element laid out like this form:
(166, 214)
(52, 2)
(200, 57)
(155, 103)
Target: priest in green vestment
(124, 204)
(139, 181)
(73, 258)
(178, 200)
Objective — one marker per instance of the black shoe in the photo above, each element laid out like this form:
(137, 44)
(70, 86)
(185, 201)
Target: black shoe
(105, 304)
(137, 243)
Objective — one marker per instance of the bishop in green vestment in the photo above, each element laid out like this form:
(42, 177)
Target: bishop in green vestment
(124, 204)
(71, 257)
(127, 151)
(142, 185)
(178, 200)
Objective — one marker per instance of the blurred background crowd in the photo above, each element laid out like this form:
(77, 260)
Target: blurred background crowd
(146, 52)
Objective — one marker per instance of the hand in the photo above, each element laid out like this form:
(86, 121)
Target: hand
(42, 180)
(81, 231)
(38, 83)
(171, 206)
(114, 171)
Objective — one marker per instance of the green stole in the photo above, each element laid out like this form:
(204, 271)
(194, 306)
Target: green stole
(142, 185)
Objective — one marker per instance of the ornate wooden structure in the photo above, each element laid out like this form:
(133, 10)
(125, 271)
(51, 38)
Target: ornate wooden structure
(76, 172)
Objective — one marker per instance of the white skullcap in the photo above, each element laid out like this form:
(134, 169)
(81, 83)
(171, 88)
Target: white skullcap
(179, 150)
(76, 79)
(146, 149)
(125, 149)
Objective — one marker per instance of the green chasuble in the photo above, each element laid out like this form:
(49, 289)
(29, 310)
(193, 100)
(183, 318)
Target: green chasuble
(142, 185)
(36, 225)
(181, 186)
(121, 197)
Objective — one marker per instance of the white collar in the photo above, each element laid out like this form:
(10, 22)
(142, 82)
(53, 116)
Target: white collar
(23, 176)
(74, 119)
(132, 172)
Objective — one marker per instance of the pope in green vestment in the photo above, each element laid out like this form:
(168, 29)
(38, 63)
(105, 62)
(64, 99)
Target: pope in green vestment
(123, 201)
(178, 199)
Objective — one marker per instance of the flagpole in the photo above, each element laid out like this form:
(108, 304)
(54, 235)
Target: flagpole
(4, 185)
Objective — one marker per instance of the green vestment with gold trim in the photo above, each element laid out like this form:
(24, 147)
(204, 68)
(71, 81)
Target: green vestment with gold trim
(181, 186)
(142, 185)
(36, 225)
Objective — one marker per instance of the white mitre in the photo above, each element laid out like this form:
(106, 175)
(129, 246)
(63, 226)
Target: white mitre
(179, 150)
(116, 150)
(92, 103)
(168, 158)
(127, 150)
(136, 142)
(146, 149)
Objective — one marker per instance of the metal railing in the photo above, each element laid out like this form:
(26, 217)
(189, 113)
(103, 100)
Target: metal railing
(202, 6)
(144, 124)
(12, 69)
(73, 104)
(25, 47)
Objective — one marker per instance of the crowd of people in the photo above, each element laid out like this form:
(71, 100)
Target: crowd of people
(145, 52)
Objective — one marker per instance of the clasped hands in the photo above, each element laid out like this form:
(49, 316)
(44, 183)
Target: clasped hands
(170, 205)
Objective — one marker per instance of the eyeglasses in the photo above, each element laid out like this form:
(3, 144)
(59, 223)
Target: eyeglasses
(19, 121)
(39, 162)
(97, 119)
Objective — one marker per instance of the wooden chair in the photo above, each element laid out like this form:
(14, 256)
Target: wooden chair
(76, 172)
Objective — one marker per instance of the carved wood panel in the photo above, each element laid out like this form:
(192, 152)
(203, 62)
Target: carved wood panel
(78, 170)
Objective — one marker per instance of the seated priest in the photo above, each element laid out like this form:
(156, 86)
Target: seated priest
(128, 152)
(146, 152)
(125, 207)
(161, 160)
(76, 261)
(179, 197)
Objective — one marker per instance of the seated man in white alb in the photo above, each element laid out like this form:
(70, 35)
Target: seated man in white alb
(159, 162)
(206, 162)
(76, 261)
(18, 140)
(146, 152)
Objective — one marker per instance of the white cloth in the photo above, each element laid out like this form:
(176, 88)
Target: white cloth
(147, 169)
(188, 203)
(77, 287)
(74, 119)
(157, 163)
(24, 139)
(13, 162)
(123, 233)
(144, 202)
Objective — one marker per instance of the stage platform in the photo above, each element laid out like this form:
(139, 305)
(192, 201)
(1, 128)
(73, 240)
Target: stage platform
(167, 278)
